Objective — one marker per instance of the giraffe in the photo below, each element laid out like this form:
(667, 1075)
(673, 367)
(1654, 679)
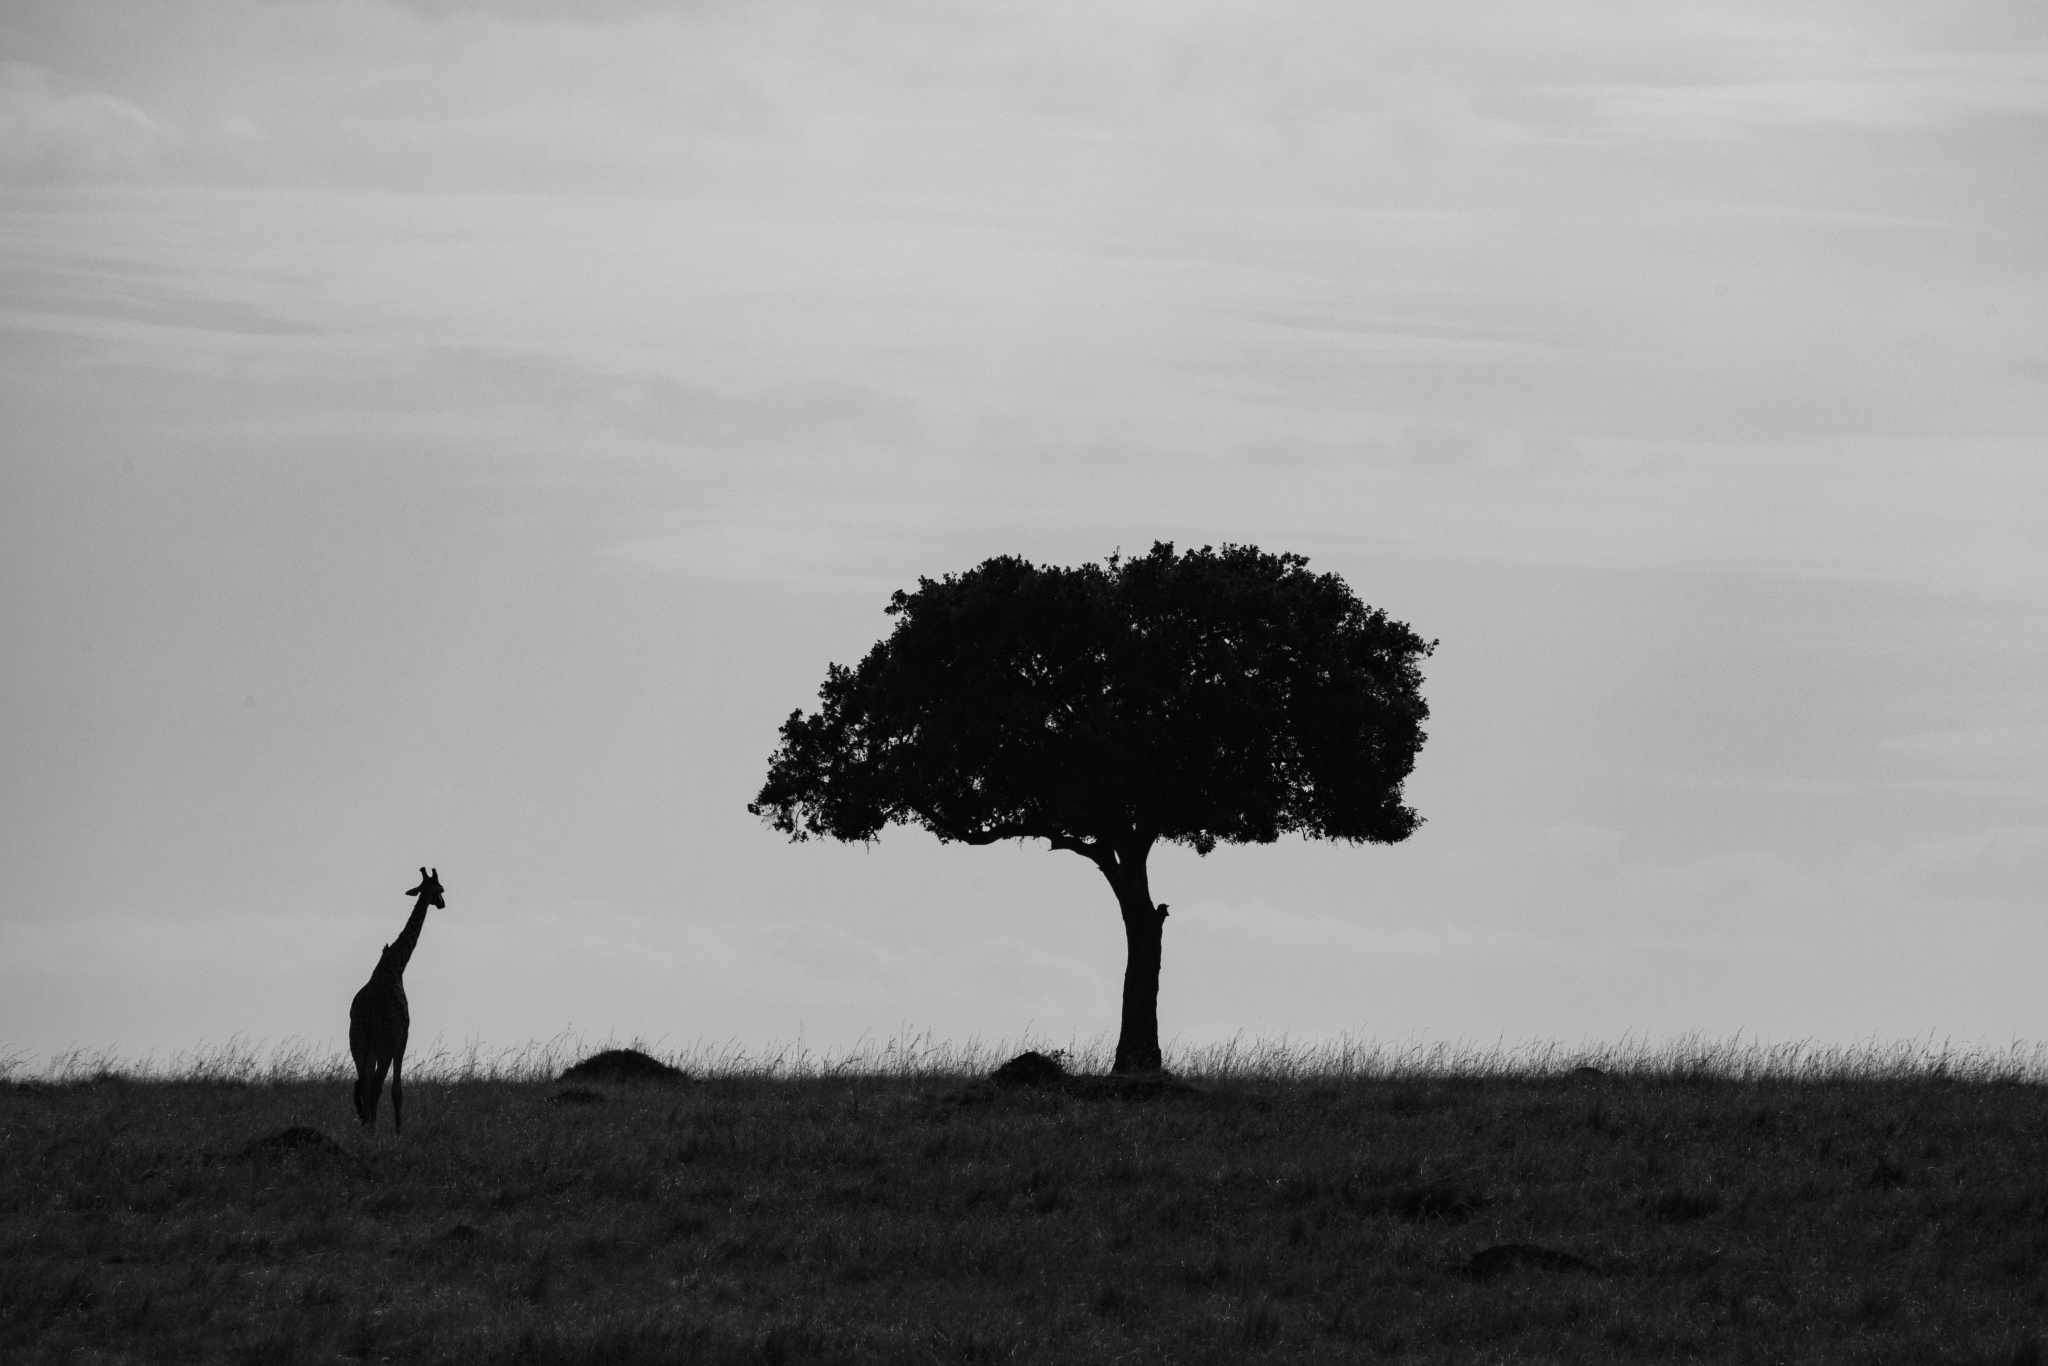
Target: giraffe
(378, 1018)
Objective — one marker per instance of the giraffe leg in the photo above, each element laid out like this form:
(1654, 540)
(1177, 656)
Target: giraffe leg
(397, 1093)
(365, 1056)
(373, 1088)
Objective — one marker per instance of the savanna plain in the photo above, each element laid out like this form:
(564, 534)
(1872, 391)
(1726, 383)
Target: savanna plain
(1336, 1204)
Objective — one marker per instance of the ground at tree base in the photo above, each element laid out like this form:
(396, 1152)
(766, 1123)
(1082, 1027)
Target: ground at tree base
(890, 1220)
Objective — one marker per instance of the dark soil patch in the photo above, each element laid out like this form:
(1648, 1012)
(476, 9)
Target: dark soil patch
(1490, 1262)
(1682, 1207)
(624, 1064)
(1419, 1202)
(297, 1141)
(576, 1095)
(1154, 1086)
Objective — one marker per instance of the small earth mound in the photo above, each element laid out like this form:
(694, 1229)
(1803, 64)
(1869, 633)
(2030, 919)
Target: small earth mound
(576, 1095)
(623, 1064)
(1586, 1072)
(1035, 1071)
(296, 1140)
(1499, 1261)
(1032, 1069)
(462, 1233)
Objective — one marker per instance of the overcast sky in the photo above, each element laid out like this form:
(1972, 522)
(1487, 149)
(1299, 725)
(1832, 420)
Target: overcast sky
(455, 434)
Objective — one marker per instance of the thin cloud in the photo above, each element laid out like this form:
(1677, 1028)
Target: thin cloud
(1982, 747)
(2006, 863)
(56, 293)
(51, 131)
(1926, 93)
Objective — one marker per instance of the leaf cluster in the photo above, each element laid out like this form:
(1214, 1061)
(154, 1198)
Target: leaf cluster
(1216, 695)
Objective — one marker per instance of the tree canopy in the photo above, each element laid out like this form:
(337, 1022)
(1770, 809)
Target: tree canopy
(1211, 696)
(1215, 696)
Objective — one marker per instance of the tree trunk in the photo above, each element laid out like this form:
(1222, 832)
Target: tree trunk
(1137, 1045)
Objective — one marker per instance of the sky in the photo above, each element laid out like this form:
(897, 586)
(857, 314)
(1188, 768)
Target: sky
(459, 434)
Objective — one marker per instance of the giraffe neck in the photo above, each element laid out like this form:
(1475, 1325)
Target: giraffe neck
(400, 952)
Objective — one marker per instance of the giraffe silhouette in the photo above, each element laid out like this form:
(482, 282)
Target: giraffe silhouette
(379, 1019)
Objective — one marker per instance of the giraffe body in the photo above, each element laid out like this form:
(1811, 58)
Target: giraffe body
(379, 1019)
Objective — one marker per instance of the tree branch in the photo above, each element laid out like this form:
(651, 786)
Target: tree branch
(993, 834)
(1090, 849)
(1093, 850)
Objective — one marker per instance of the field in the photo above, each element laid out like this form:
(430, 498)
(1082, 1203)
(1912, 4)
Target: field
(1731, 1205)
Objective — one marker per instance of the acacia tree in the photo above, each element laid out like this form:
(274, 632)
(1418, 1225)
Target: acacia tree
(1215, 696)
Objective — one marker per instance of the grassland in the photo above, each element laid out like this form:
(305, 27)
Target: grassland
(1305, 1206)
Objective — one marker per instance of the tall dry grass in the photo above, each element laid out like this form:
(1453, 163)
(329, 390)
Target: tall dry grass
(913, 1055)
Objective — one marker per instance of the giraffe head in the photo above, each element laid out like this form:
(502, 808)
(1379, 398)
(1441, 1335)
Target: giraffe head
(429, 889)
